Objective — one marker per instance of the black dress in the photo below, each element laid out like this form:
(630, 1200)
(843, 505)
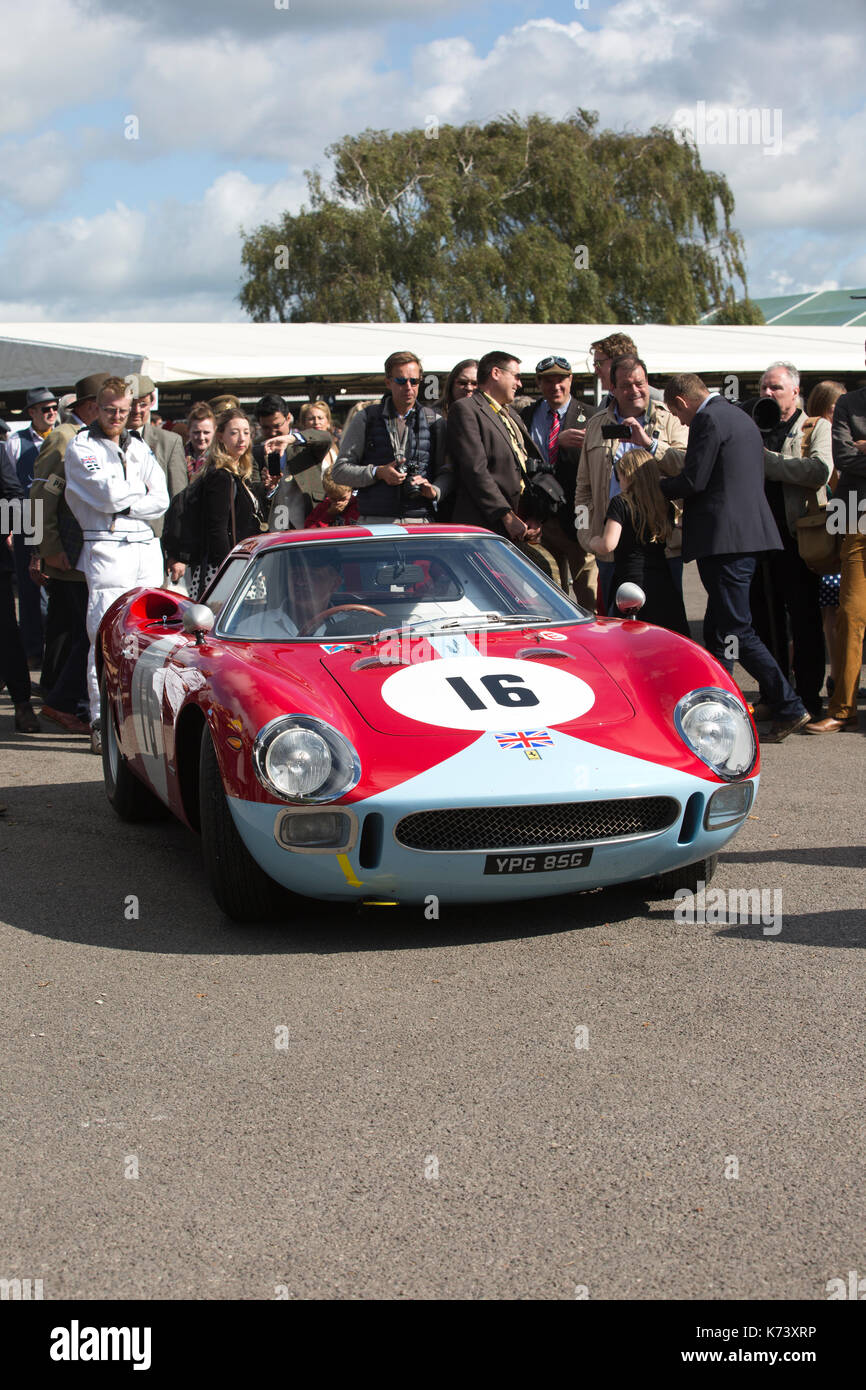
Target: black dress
(645, 563)
(219, 487)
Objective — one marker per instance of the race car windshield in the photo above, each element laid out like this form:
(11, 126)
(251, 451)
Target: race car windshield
(358, 588)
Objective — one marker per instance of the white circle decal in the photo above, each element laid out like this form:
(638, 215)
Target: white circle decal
(487, 693)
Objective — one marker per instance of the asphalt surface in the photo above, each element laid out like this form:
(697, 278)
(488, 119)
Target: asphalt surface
(429, 1128)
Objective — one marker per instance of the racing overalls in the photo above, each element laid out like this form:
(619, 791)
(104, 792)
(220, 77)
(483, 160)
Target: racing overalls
(113, 488)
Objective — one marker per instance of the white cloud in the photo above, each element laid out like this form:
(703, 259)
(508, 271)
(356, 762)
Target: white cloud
(56, 56)
(171, 260)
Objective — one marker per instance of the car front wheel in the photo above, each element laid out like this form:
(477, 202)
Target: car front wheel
(242, 889)
(691, 877)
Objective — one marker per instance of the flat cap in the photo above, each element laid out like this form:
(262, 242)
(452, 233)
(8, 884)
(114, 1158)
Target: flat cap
(141, 385)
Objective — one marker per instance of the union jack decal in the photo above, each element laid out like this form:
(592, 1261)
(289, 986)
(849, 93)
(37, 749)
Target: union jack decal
(529, 741)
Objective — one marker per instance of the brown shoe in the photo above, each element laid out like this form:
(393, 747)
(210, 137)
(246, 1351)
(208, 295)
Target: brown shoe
(831, 725)
(25, 719)
(70, 722)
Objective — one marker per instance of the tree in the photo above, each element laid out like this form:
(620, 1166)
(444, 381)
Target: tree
(534, 221)
(733, 310)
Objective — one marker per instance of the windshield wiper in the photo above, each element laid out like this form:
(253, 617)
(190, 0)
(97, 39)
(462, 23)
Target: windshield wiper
(464, 623)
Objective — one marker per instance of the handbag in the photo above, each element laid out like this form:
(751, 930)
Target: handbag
(819, 548)
(543, 495)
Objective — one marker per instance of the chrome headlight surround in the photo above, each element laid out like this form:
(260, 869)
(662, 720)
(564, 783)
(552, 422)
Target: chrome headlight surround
(730, 748)
(340, 764)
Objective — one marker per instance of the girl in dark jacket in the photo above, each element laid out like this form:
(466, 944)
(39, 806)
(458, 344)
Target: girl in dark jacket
(637, 529)
(231, 501)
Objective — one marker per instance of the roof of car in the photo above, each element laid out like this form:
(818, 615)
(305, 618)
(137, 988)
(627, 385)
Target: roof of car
(333, 535)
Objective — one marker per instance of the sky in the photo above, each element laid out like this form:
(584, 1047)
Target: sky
(138, 140)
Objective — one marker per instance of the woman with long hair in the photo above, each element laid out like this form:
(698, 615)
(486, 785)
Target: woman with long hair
(637, 529)
(462, 381)
(231, 501)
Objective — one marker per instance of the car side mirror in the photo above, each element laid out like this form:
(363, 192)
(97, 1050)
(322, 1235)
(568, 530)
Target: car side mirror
(197, 620)
(630, 599)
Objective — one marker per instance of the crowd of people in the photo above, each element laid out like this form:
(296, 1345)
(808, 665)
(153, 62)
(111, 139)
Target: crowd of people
(595, 495)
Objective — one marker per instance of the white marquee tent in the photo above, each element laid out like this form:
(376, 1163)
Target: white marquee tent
(180, 354)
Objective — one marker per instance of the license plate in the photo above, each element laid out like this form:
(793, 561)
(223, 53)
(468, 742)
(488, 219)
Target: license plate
(544, 862)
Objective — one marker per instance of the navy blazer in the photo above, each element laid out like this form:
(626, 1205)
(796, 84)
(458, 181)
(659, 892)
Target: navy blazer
(725, 508)
(10, 488)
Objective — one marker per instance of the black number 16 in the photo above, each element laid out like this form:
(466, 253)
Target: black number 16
(506, 690)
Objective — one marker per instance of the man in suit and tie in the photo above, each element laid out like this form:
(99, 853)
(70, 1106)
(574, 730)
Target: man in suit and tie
(727, 523)
(492, 453)
(557, 426)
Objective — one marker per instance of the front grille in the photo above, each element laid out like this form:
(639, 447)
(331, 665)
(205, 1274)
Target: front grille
(515, 827)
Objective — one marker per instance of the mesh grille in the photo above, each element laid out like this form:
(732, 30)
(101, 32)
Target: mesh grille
(512, 827)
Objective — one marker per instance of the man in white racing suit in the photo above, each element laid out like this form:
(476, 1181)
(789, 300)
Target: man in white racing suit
(114, 488)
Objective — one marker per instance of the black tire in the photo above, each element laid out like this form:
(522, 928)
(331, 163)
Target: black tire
(129, 797)
(689, 876)
(242, 889)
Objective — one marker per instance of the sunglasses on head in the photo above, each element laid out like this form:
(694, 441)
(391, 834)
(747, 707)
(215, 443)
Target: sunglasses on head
(547, 362)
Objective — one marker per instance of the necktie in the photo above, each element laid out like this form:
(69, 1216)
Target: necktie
(553, 441)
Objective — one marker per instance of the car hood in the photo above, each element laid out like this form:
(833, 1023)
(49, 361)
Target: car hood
(497, 681)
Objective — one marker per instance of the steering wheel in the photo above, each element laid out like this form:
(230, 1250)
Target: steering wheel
(311, 626)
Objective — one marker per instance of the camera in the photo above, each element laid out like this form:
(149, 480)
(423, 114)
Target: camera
(616, 431)
(764, 410)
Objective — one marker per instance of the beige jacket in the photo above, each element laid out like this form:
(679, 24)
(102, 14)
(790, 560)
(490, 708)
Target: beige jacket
(596, 464)
(49, 485)
(802, 471)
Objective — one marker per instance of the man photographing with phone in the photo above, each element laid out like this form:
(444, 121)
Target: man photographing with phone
(631, 421)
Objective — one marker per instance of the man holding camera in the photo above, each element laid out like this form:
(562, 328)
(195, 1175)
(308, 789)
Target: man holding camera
(798, 462)
(393, 452)
(631, 421)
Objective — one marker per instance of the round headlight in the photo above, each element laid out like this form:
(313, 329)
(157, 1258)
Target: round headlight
(298, 762)
(718, 730)
(300, 758)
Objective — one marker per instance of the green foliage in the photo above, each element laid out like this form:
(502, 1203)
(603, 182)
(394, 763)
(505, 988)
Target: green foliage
(487, 223)
(733, 310)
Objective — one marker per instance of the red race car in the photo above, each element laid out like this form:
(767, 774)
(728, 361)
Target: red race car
(416, 712)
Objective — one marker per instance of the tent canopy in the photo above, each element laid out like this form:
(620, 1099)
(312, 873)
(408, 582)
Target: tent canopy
(212, 357)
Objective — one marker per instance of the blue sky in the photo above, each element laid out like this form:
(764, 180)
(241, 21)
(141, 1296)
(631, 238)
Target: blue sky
(235, 99)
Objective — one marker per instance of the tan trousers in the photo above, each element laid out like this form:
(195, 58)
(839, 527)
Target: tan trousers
(850, 625)
(570, 556)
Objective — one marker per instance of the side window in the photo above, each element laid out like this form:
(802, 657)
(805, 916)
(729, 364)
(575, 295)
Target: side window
(224, 585)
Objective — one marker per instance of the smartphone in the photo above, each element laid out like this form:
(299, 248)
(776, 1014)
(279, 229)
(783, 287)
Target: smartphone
(616, 431)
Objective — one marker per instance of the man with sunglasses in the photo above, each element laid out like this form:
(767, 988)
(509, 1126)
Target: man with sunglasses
(115, 488)
(22, 451)
(393, 452)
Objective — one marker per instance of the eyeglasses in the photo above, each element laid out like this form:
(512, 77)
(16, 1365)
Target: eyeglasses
(547, 362)
(114, 412)
(406, 380)
(593, 361)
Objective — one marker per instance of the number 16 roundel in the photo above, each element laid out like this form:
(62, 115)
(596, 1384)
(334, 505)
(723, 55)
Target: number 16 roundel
(486, 693)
